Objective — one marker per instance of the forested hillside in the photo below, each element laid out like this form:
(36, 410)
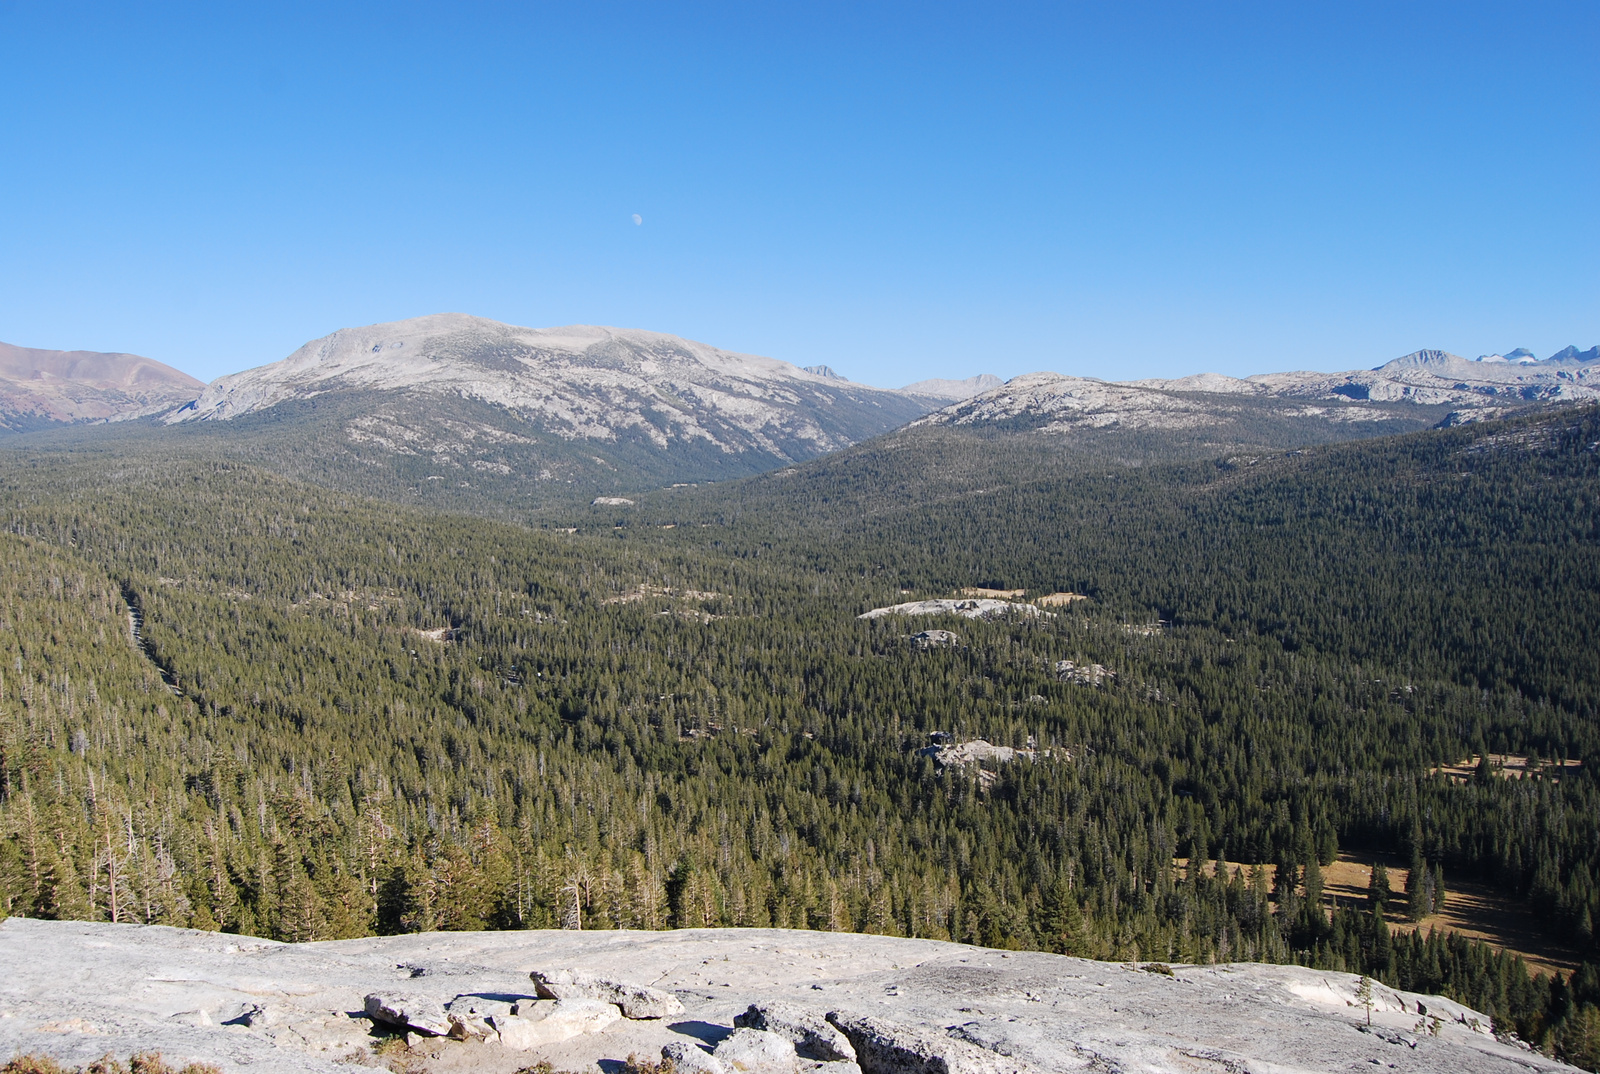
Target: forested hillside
(1468, 552)
(341, 716)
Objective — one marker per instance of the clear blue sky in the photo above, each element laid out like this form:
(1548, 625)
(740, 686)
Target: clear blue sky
(1107, 189)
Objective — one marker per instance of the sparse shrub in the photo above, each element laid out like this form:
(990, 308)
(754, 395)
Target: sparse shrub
(33, 1064)
(390, 1045)
(392, 1050)
(637, 1065)
(140, 1063)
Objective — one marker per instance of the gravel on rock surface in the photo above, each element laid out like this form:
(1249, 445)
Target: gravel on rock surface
(77, 990)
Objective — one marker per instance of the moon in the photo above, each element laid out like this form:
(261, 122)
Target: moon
(637, 219)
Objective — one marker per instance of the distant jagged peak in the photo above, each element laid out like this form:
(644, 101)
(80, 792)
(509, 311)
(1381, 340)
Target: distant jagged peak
(1520, 356)
(1572, 355)
(954, 390)
(1422, 359)
(824, 371)
(1438, 361)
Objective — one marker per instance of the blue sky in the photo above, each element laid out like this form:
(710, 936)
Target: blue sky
(900, 191)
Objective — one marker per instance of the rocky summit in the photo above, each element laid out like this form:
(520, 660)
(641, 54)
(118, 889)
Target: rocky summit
(713, 1000)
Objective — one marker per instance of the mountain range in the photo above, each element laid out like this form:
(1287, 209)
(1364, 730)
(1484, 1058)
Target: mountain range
(1421, 388)
(513, 414)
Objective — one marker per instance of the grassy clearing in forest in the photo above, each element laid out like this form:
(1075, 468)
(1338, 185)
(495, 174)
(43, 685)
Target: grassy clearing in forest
(1474, 910)
(1509, 766)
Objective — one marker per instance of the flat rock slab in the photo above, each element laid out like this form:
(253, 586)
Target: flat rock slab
(887, 1047)
(687, 1058)
(755, 1051)
(77, 990)
(812, 1035)
(553, 1021)
(407, 1010)
(635, 1001)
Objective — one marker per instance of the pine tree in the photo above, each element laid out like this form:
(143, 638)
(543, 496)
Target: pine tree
(1062, 920)
(1579, 1038)
(1313, 886)
(1419, 901)
(1378, 891)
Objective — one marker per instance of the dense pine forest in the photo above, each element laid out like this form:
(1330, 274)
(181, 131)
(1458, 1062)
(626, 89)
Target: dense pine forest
(234, 701)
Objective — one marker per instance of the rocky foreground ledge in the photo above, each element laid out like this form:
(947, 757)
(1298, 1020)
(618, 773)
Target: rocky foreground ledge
(714, 999)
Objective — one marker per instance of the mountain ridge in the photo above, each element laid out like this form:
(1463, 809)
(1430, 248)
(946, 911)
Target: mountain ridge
(39, 386)
(1059, 403)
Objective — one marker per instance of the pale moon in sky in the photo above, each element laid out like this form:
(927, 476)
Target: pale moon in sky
(637, 219)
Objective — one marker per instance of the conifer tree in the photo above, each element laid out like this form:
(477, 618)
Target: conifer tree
(1419, 886)
(1378, 891)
